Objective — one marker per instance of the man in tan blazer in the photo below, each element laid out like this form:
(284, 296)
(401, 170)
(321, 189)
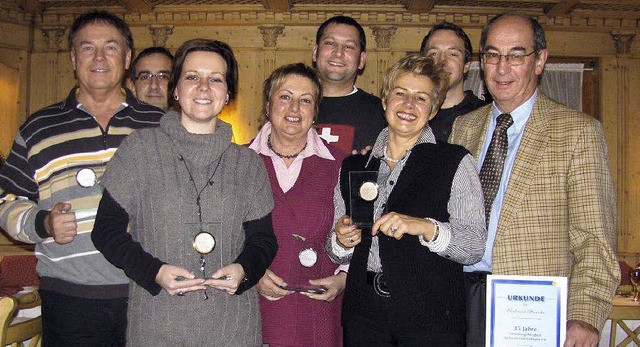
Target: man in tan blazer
(555, 211)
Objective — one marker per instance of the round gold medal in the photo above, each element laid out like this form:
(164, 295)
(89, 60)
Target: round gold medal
(368, 191)
(204, 242)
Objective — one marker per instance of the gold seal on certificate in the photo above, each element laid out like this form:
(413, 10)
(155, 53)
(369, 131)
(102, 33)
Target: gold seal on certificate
(368, 191)
(86, 178)
(204, 242)
(308, 257)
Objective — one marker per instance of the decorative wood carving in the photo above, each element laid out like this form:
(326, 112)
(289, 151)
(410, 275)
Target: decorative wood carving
(622, 41)
(270, 34)
(160, 34)
(53, 37)
(383, 35)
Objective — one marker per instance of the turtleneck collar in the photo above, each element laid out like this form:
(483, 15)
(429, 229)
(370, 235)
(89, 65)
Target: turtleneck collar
(198, 150)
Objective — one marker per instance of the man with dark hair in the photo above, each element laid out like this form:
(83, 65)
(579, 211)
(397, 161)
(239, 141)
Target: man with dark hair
(149, 76)
(349, 118)
(549, 197)
(49, 189)
(450, 46)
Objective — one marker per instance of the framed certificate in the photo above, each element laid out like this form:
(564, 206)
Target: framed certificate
(526, 311)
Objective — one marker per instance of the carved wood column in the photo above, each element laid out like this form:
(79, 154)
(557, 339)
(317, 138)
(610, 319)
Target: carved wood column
(383, 36)
(622, 40)
(270, 36)
(52, 36)
(160, 34)
(48, 74)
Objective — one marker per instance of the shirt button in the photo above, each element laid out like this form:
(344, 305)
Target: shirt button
(391, 182)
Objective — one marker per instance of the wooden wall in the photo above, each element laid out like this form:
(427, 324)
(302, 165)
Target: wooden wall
(34, 51)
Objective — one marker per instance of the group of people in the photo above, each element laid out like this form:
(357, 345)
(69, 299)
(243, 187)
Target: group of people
(181, 237)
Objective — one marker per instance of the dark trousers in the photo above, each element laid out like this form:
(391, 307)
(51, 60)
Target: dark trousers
(475, 284)
(388, 327)
(69, 321)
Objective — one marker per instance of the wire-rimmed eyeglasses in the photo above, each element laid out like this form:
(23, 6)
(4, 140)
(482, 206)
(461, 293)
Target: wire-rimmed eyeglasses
(512, 59)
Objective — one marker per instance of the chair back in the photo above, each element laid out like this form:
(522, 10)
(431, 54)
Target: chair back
(15, 330)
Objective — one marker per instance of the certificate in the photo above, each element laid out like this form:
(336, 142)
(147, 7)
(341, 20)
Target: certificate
(526, 311)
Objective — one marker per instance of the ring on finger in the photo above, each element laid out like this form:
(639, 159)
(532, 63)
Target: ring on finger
(393, 230)
(180, 292)
(351, 239)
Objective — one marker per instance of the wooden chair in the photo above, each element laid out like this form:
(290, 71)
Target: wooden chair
(15, 330)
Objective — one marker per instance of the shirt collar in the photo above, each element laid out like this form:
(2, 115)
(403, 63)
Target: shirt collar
(520, 114)
(315, 145)
(377, 152)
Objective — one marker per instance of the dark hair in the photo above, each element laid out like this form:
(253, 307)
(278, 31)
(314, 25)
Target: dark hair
(276, 79)
(205, 45)
(539, 40)
(457, 30)
(423, 66)
(100, 17)
(347, 21)
(147, 52)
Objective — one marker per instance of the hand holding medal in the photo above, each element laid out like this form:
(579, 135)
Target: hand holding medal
(348, 235)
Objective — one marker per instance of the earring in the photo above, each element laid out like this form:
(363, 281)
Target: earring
(175, 97)
(227, 100)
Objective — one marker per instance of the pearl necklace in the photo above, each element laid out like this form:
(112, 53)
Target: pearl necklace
(387, 158)
(283, 156)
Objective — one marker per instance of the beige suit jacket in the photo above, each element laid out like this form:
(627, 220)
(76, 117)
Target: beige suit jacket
(558, 217)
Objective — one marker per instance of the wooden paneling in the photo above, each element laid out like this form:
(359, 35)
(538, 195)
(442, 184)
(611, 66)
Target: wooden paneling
(611, 89)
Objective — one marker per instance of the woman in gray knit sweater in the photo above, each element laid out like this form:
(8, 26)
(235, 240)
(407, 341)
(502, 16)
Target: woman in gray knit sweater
(184, 211)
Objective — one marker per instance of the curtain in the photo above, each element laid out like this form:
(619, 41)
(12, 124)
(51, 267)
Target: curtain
(561, 82)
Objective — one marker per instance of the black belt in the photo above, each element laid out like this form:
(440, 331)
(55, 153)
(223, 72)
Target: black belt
(376, 279)
(476, 276)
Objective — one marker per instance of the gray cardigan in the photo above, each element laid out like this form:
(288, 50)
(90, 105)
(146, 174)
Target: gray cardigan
(147, 178)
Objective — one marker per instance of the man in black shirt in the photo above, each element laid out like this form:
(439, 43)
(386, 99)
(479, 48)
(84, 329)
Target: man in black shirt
(349, 118)
(449, 45)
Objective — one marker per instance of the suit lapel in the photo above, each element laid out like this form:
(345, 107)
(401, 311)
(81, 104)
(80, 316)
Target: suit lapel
(530, 153)
(473, 136)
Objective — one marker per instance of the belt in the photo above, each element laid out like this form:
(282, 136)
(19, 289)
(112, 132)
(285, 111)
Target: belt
(376, 279)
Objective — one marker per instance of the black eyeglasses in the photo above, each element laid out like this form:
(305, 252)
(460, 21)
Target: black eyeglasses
(512, 59)
(146, 77)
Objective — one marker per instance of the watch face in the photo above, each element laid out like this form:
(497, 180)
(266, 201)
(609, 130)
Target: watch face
(86, 178)
(204, 242)
(308, 257)
(368, 191)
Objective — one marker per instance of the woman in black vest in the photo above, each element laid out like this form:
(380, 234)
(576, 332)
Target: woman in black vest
(408, 225)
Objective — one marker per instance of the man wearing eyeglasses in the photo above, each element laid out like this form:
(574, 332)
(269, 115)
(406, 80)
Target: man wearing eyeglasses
(549, 196)
(149, 76)
(450, 46)
(50, 186)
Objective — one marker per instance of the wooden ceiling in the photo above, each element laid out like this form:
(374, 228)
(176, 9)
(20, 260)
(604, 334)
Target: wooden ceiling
(629, 9)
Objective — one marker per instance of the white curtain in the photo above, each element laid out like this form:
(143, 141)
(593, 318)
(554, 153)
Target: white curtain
(561, 82)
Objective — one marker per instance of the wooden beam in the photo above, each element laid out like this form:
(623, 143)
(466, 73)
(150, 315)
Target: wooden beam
(277, 5)
(562, 8)
(416, 6)
(138, 6)
(30, 6)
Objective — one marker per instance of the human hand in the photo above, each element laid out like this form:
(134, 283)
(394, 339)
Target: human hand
(178, 281)
(61, 224)
(581, 334)
(363, 151)
(227, 279)
(270, 286)
(333, 284)
(347, 234)
(395, 225)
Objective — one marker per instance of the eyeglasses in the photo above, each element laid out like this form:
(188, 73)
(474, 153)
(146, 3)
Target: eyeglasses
(146, 77)
(512, 59)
